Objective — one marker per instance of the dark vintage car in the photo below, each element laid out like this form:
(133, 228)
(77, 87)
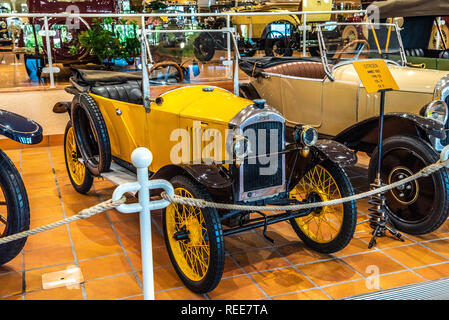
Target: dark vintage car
(67, 30)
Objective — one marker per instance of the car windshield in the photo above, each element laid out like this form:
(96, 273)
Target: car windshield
(347, 42)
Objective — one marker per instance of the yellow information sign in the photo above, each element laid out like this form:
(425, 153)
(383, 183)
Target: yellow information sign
(375, 75)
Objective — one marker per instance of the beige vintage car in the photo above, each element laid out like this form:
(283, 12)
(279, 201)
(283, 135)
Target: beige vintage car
(328, 93)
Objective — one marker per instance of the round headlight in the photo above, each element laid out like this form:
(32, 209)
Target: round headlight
(306, 135)
(437, 110)
(241, 147)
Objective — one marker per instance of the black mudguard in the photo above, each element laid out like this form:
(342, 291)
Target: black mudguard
(336, 152)
(19, 128)
(362, 136)
(217, 182)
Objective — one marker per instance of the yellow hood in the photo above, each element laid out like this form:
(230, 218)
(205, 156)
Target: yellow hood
(199, 103)
(408, 79)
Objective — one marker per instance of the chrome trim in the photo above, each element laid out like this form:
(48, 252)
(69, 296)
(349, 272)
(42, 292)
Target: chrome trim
(283, 76)
(244, 118)
(251, 112)
(441, 91)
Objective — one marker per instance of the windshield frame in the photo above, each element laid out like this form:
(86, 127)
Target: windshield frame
(323, 52)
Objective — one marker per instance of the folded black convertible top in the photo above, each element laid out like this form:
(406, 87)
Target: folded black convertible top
(254, 67)
(101, 77)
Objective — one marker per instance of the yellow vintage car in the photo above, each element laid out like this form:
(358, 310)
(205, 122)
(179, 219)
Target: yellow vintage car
(328, 94)
(210, 144)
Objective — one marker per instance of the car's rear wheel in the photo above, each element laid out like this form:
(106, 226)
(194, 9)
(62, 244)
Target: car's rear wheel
(421, 206)
(194, 238)
(79, 176)
(330, 228)
(91, 135)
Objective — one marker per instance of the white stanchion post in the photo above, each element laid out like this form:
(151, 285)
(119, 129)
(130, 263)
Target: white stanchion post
(141, 159)
(49, 53)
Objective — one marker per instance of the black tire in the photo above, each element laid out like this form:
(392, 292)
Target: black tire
(85, 183)
(204, 47)
(214, 235)
(314, 51)
(406, 155)
(348, 211)
(17, 207)
(278, 47)
(91, 135)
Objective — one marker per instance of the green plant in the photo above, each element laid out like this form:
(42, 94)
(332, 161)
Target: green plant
(105, 41)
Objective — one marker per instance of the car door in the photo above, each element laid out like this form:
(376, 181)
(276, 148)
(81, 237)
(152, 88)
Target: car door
(340, 105)
(301, 100)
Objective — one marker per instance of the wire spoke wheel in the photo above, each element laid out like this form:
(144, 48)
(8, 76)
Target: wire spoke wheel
(326, 229)
(194, 238)
(79, 176)
(324, 224)
(192, 254)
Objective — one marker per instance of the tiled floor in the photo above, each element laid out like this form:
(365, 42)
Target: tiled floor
(106, 248)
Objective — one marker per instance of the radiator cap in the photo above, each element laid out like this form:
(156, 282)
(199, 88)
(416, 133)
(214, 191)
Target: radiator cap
(259, 103)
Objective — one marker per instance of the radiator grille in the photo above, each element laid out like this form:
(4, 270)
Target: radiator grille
(252, 177)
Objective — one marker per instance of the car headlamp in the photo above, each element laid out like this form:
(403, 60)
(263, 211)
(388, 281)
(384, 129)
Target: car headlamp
(306, 135)
(241, 147)
(437, 110)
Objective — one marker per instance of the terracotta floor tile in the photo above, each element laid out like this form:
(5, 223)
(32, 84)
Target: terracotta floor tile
(363, 262)
(166, 278)
(236, 288)
(355, 246)
(440, 246)
(15, 264)
(44, 202)
(33, 278)
(127, 227)
(46, 213)
(434, 272)
(349, 289)
(15, 297)
(244, 241)
(104, 266)
(260, 260)
(384, 242)
(48, 257)
(399, 279)
(178, 294)
(122, 217)
(55, 294)
(298, 253)
(281, 234)
(39, 192)
(11, 283)
(91, 233)
(231, 269)
(97, 248)
(314, 294)
(138, 297)
(437, 234)
(414, 256)
(282, 281)
(160, 258)
(131, 243)
(48, 239)
(112, 287)
(329, 272)
(96, 220)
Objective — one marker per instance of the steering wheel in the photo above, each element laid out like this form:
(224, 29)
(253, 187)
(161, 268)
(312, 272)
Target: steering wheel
(168, 64)
(349, 45)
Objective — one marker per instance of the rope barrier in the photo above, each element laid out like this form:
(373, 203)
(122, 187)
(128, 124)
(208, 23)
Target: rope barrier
(84, 214)
(110, 204)
(203, 204)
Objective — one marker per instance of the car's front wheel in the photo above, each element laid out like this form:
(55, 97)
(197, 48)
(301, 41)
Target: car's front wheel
(327, 229)
(194, 238)
(420, 206)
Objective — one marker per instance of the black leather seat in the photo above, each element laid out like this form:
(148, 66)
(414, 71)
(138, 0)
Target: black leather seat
(129, 91)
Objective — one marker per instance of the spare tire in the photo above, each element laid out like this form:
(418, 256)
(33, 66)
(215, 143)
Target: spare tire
(91, 135)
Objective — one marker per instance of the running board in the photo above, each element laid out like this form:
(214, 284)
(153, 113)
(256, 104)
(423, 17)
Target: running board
(431, 290)
(118, 175)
